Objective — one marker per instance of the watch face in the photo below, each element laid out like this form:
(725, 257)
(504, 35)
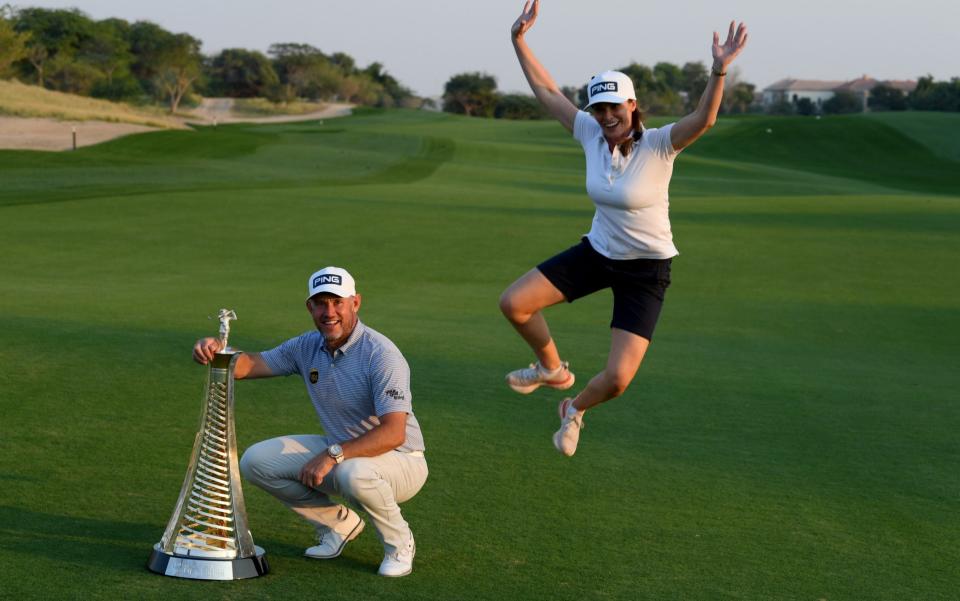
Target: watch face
(335, 450)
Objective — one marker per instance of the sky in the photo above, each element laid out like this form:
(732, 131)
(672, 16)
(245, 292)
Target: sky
(424, 42)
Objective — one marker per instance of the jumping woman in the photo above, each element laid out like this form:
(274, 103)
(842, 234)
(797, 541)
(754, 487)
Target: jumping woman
(629, 247)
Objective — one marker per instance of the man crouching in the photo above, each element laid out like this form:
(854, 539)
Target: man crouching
(372, 454)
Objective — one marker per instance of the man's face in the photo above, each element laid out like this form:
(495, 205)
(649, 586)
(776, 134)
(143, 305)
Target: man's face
(334, 316)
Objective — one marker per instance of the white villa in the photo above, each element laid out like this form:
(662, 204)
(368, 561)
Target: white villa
(819, 91)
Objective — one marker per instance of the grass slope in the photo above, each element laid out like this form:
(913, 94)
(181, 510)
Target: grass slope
(936, 131)
(21, 100)
(839, 146)
(792, 434)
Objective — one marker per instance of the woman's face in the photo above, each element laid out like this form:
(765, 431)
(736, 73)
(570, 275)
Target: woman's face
(616, 120)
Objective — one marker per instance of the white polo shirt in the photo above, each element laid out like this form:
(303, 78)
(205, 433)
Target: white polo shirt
(630, 193)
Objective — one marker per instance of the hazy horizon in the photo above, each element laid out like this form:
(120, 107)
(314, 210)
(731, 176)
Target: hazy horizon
(424, 42)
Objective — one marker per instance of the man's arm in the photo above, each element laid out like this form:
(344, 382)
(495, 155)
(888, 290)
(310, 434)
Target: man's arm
(248, 365)
(389, 434)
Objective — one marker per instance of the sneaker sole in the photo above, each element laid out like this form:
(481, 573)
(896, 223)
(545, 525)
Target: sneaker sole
(528, 388)
(353, 534)
(556, 445)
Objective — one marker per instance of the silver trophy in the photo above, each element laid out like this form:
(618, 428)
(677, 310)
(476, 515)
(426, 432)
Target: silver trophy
(207, 537)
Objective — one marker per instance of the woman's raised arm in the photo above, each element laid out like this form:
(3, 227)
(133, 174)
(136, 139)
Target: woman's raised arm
(544, 88)
(686, 131)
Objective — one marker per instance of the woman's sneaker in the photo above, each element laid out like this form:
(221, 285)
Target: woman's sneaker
(530, 378)
(571, 422)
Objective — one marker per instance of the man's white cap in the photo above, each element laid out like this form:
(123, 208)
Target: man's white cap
(610, 86)
(334, 280)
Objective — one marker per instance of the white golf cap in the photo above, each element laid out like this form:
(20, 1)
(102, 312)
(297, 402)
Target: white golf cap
(610, 86)
(334, 280)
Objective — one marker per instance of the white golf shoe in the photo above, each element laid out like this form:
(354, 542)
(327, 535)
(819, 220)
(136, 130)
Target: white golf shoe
(330, 543)
(571, 422)
(399, 563)
(528, 379)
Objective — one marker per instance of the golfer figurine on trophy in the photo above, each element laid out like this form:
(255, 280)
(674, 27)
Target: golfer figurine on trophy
(207, 537)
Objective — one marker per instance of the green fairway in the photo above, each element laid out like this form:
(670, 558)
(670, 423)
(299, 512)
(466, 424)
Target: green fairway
(792, 434)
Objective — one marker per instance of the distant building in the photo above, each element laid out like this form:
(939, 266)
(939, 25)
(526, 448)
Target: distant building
(819, 91)
(792, 90)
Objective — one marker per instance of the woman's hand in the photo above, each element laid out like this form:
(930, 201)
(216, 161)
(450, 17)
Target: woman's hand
(724, 54)
(526, 19)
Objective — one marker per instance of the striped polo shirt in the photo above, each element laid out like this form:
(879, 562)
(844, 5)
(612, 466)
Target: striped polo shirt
(365, 378)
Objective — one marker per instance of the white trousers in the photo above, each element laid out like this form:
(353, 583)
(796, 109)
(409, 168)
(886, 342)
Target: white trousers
(375, 484)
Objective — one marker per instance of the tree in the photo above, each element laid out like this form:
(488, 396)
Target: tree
(393, 93)
(573, 95)
(930, 95)
(806, 107)
(55, 36)
(518, 106)
(345, 63)
(178, 67)
(106, 49)
(843, 102)
(782, 107)
(471, 94)
(695, 77)
(242, 73)
(304, 71)
(737, 94)
(886, 98)
(669, 75)
(13, 44)
(148, 43)
(653, 87)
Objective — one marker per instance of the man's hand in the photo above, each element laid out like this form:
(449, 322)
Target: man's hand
(204, 350)
(316, 470)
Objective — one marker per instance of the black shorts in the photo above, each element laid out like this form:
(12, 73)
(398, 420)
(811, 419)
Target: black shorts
(638, 284)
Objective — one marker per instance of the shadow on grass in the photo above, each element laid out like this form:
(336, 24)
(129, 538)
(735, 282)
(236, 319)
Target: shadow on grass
(115, 544)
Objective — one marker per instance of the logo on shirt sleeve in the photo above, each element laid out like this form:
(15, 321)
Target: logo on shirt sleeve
(395, 394)
(314, 375)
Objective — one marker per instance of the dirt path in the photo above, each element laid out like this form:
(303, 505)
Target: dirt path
(220, 110)
(29, 133)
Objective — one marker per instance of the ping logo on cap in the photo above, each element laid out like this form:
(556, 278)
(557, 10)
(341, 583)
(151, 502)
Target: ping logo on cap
(603, 86)
(328, 278)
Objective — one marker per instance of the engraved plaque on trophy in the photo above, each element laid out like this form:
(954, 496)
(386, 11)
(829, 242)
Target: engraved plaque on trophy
(207, 538)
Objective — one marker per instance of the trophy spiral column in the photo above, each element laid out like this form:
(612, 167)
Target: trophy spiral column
(207, 538)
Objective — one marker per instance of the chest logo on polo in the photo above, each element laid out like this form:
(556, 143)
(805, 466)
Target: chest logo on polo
(327, 279)
(397, 395)
(314, 375)
(603, 86)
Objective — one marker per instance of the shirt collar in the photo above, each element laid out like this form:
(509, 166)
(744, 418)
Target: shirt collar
(352, 340)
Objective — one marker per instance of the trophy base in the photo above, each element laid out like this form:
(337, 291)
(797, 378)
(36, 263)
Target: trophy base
(197, 568)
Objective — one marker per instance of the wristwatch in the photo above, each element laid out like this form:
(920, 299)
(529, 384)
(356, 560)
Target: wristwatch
(336, 452)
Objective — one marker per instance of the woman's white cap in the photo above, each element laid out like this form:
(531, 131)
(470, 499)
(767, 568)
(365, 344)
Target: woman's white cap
(610, 86)
(334, 280)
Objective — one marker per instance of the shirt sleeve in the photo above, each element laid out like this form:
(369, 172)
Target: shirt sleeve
(585, 127)
(284, 360)
(390, 382)
(660, 140)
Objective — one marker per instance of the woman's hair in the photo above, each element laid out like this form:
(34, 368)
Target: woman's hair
(637, 122)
